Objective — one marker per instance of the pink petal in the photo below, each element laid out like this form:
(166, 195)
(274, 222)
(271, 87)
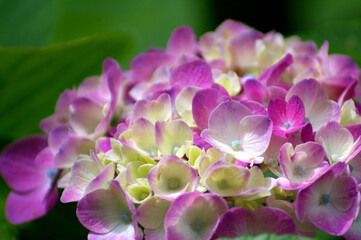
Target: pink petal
(241, 221)
(61, 111)
(243, 47)
(182, 42)
(196, 73)
(86, 116)
(256, 91)
(255, 132)
(308, 198)
(342, 65)
(224, 121)
(144, 64)
(273, 74)
(191, 211)
(255, 107)
(45, 158)
(277, 111)
(70, 150)
(104, 210)
(204, 101)
(310, 91)
(23, 207)
(171, 177)
(231, 28)
(17, 164)
(113, 75)
(295, 111)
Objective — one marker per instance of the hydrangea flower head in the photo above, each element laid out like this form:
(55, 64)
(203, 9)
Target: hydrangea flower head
(241, 133)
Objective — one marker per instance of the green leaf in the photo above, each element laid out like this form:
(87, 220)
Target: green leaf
(340, 24)
(39, 23)
(31, 79)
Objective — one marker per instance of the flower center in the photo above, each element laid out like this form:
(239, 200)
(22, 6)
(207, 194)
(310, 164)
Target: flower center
(197, 225)
(154, 151)
(236, 144)
(326, 198)
(173, 183)
(125, 215)
(175, 150)
(52, 172)
(250, 76)
(223, 183)
(287, 125)
(307, 119)
(143, 195)
(298, 169)
(335, 157)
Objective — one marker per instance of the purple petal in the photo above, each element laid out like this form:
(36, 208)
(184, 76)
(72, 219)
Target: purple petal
(71, 193)
(17, 164)
(70, 150)
(307, 199)
(307, 133)
(224, 121)
(328, 202)
(113, 75)
(344, 193)
(119, 232)
(86, 116)
(182, 41)
(241, 221)
(355, 168)
(354, 232)
(255, 107)
(100, 181)
(155, 110)
(61, 111)
(104, 145)
(45, 158)
(341, 65)
(194, 216)
(196, 73)
(277, 111)
(155, 234)
(105, 209)
(204, 101)
(273, 74)
(256, 91)
(231, 28)
(23, 207)
(255, 132)
(295, 111)
(243, 47)
(310, 91)
(171, 177)
(144, 64)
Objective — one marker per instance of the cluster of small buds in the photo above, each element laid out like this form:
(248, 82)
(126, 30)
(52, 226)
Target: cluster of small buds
(241, 133)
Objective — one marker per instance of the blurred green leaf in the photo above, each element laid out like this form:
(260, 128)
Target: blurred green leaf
(343, 38)
(339, 23)
(31, 79)
(40, 23)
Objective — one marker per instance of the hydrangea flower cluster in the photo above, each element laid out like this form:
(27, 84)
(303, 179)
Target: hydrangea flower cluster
(241, 133)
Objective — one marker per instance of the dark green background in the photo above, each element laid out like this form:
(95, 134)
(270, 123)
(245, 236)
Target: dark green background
(47, 46)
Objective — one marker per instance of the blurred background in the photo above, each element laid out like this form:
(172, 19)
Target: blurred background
(47, 46)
